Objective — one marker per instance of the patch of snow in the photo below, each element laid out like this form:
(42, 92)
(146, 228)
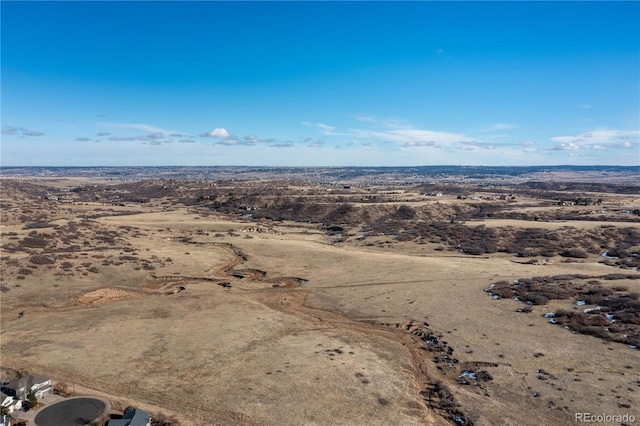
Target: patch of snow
(549, 315)
(469, 374)
(606, 255)
(581, 302)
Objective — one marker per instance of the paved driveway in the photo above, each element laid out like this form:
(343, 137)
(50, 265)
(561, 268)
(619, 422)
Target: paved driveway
(77, 411)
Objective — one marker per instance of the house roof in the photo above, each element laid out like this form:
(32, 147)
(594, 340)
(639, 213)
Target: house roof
(4, 396)
(132, 418)
(25, 381)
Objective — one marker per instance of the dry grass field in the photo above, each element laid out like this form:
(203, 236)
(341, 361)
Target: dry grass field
(317, 306)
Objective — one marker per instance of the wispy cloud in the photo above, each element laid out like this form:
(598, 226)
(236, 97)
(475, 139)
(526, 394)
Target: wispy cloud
(600, 139)
(103, 133)
(9, 130)
(364, 118)
(285, 144)
(82, 139)
(325, 129)
(419, 143)
(585, 106)
(120, 138)
(253, 140)
(139, 126)
(413, 137)
(500, 126)
(20, 131)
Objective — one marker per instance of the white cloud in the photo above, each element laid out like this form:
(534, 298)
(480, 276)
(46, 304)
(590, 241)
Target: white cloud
(413, 137)
(81, 139)
(585, 106)
(565, 146)
(602, 138)
(219, 132)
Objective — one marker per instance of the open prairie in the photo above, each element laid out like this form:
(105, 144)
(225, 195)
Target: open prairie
(273, 302)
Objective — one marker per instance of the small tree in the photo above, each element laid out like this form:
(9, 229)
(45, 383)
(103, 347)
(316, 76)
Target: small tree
(4, 411)
(31, 401)
(62, 388)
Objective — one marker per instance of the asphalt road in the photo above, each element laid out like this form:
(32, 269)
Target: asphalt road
(71, 412)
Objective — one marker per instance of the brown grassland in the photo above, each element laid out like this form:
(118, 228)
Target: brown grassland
(266, 302)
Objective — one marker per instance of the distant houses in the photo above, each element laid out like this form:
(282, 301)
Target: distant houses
(20, 387)
(15, 392)
(9, 402)
(132, 417)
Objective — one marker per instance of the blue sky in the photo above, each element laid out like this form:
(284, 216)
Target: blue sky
(320, 83)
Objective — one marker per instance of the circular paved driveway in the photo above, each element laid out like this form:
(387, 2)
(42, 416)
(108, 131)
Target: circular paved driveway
(71, 412)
